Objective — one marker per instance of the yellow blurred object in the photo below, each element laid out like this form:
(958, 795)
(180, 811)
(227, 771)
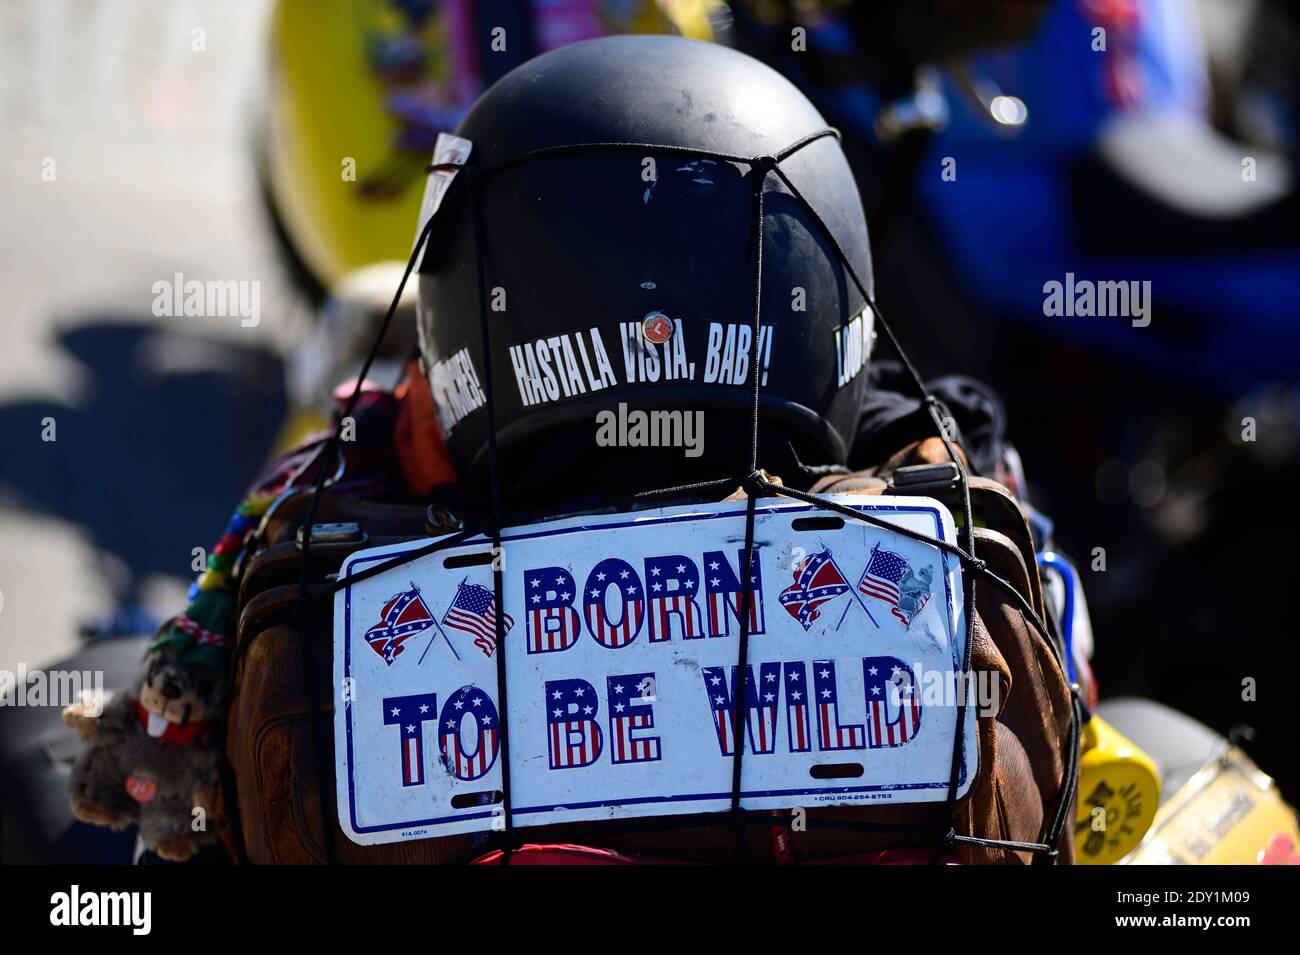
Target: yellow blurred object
(354, 88)
(297, 427)
(690, 18)
(213, 580)
(1228, 813)
(1119, 790)
(328, 129)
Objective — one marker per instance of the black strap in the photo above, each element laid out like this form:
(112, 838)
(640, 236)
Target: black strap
(498, 583)
(941, 835)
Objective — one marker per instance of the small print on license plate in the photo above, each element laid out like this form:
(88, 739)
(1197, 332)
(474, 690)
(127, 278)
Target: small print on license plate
(622, 676)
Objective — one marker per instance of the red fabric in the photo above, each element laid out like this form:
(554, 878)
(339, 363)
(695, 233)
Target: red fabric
(886, 857)
(421, 448)
(231, 543)
(570, 855)
(587, 855)
(174, 733)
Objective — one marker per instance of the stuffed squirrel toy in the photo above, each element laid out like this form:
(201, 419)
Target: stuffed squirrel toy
(151, 757)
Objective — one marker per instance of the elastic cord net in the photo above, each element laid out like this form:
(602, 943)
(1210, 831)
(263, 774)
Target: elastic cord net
(941, 835)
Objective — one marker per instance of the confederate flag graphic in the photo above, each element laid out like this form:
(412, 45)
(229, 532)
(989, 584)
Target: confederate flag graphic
(403, 617)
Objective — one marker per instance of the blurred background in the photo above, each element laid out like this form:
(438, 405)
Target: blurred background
(1000, 145)
(126, 160)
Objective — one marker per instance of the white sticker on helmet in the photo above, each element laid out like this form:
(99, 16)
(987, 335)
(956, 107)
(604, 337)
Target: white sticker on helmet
(449, 150)
(853, 343)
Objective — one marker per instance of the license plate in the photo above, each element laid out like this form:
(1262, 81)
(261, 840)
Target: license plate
(622, 672)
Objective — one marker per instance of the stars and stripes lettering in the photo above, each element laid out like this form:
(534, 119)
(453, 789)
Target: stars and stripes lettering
(636, 722)
(619, 626)
(796, 707)
(673, 582)
(468, 722)
(817, 581)
(469, 755)
(553, 624)
(631, 714)
(760, 706)
(616, 601)
(893, 707)
(574, 737)
(409, 714)
(723, 593)
(831, 734)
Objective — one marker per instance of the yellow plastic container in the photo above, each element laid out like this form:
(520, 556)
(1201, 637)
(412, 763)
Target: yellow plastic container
(1119, 792)
(1229, 813)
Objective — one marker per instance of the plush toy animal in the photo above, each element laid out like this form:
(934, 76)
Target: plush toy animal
(150, 758)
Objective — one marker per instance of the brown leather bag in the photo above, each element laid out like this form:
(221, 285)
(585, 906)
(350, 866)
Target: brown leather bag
(279, 788)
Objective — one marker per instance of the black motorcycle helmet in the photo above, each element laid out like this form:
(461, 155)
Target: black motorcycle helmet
(622, 279)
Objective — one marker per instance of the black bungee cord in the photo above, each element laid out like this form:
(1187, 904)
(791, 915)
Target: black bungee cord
(754, 482)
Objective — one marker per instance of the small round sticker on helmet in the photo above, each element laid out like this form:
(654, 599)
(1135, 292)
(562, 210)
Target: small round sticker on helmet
(657, 328)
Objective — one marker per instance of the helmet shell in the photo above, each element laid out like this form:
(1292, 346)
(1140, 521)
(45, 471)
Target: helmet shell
(585, 251)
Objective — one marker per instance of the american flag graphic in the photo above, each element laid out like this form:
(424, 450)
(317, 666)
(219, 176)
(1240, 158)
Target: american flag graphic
(409, 714)
(760, 706)
(796, 707)
(673, 584)
(473, 611)
(631, 712)
(553, 624)
(613, 632)
(889, 577)
(724, 595)
(817, 580)
(575, 736)
(891, 688)
(477, 759)
(830, 734)
(403, 617)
